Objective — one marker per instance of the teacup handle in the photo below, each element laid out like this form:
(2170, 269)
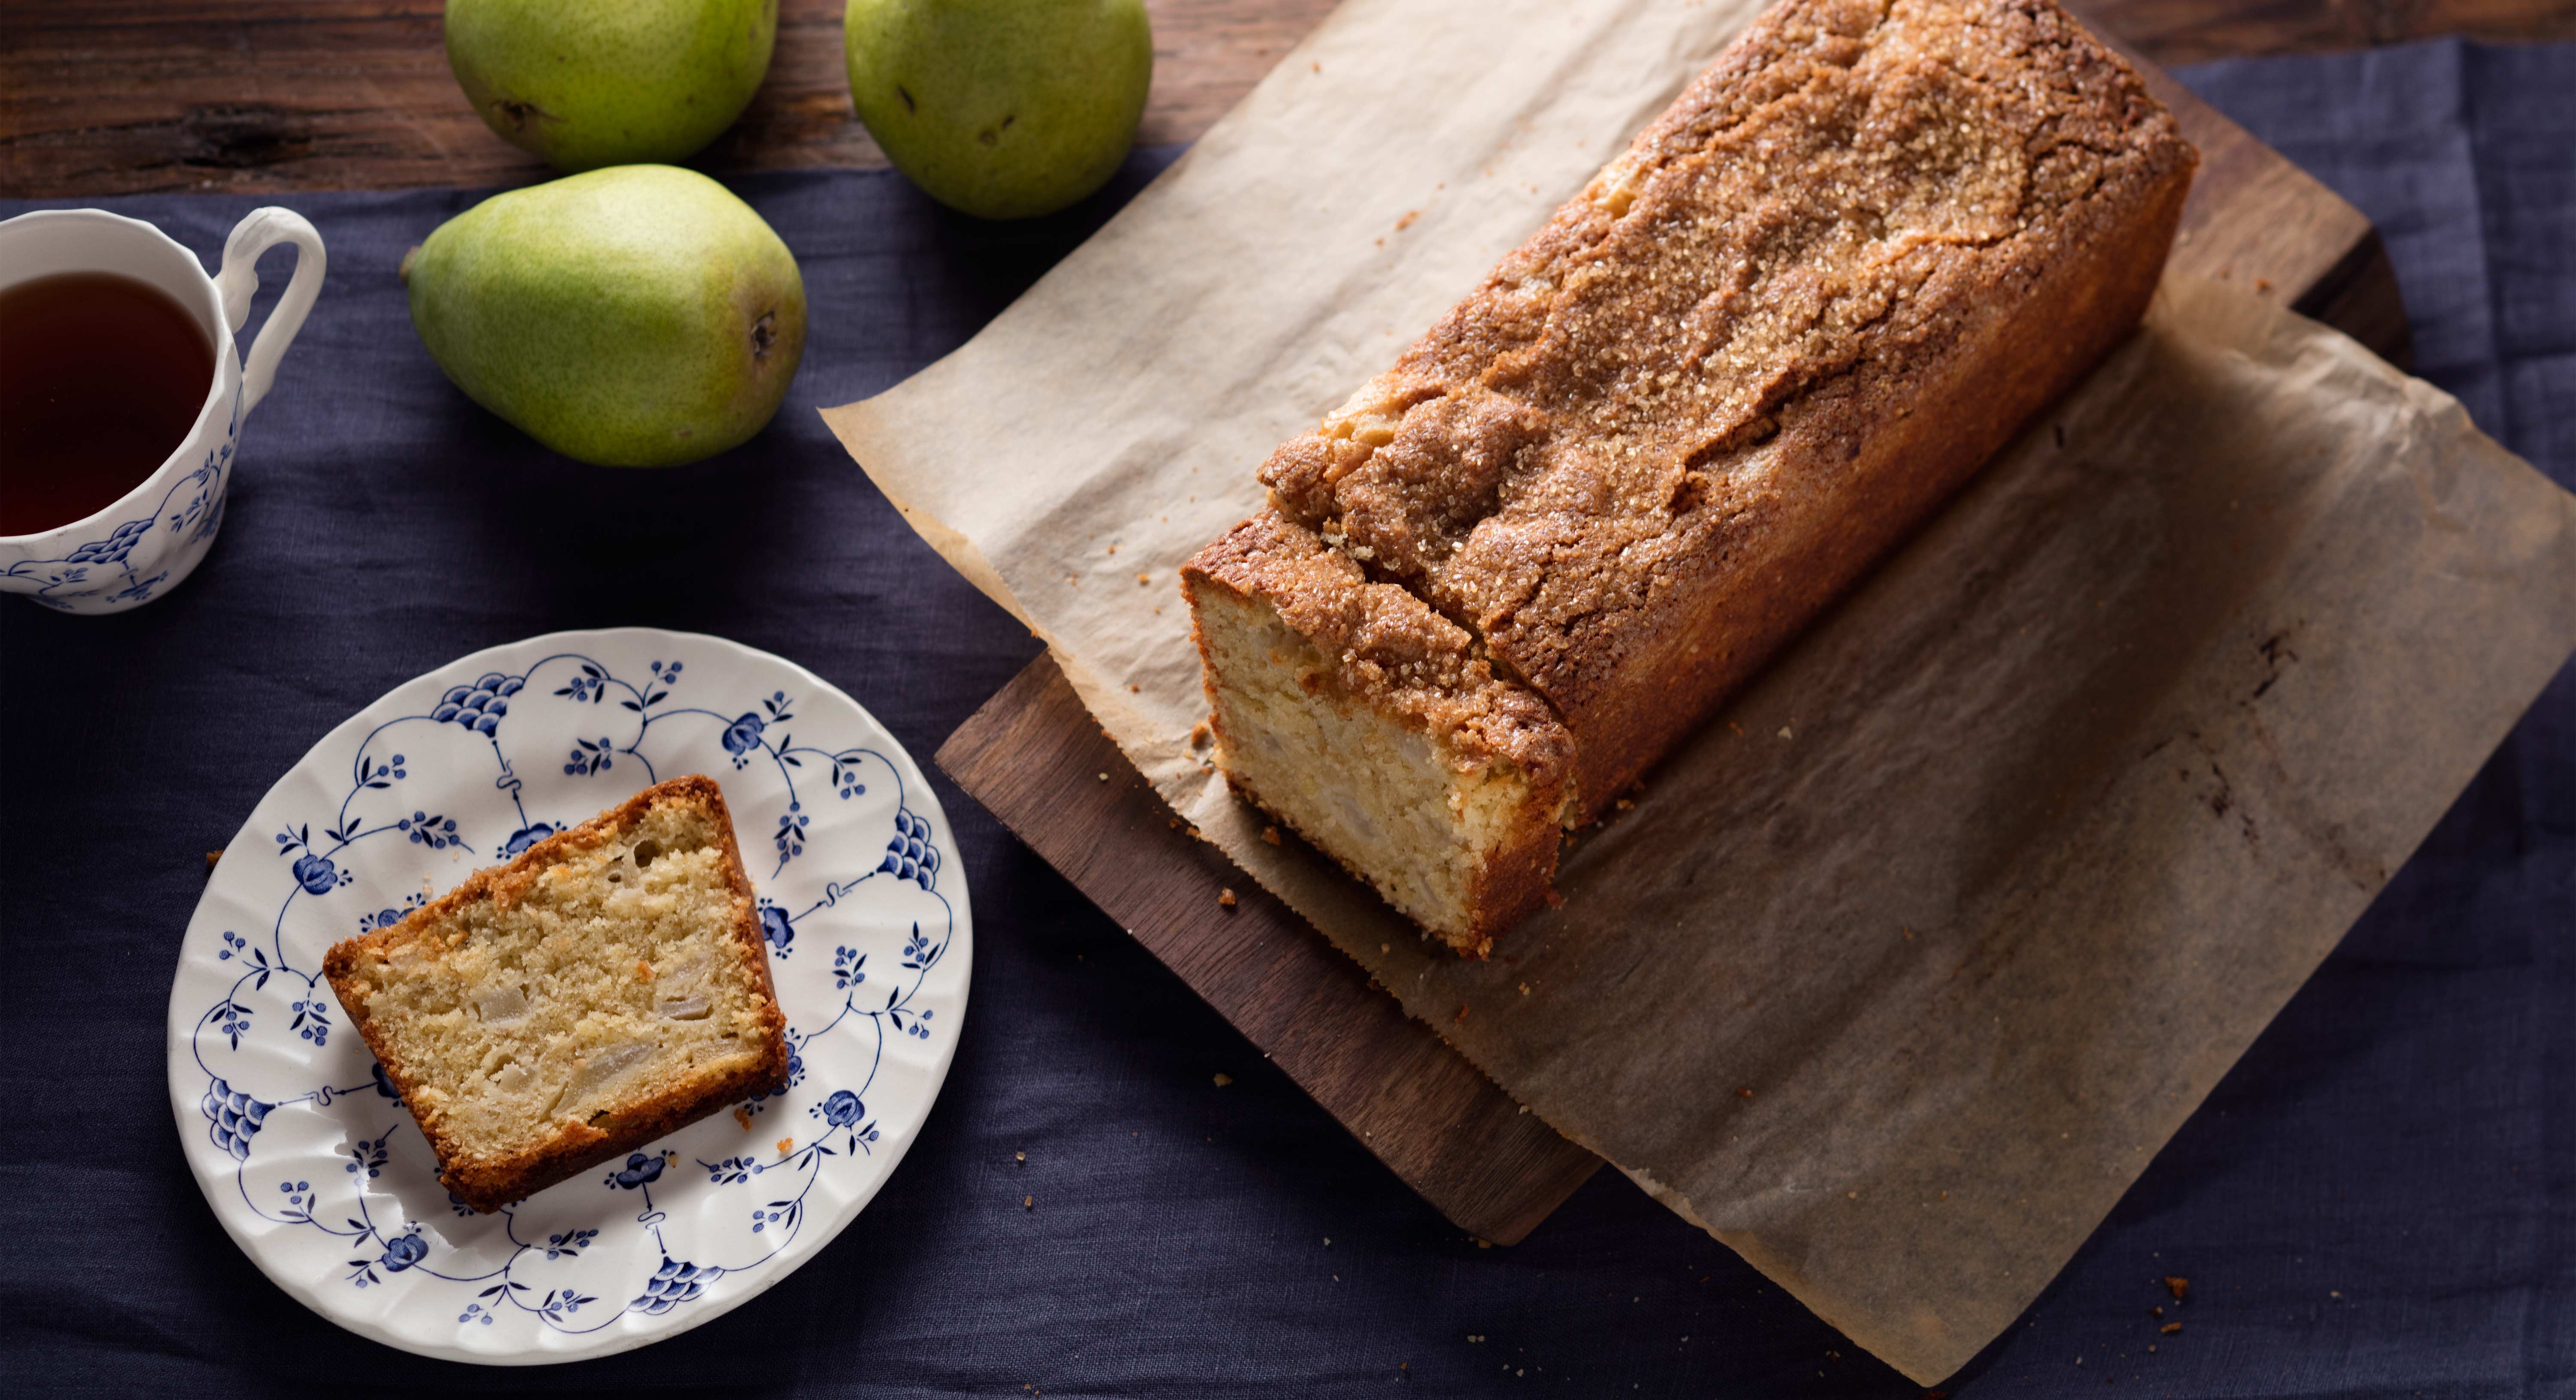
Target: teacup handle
(260, 231)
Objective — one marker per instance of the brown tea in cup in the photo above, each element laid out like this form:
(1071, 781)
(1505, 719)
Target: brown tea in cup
(101, 377)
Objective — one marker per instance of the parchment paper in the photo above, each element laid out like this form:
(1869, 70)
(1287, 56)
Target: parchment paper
(1897, 976)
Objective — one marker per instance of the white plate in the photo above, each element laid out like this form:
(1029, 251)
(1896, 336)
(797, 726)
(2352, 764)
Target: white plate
(321, 1176)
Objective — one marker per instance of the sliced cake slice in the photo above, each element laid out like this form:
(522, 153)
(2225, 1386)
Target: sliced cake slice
(605, 988)
(1368, 723)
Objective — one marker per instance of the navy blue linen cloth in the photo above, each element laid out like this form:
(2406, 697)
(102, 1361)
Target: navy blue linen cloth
(2379, 1201)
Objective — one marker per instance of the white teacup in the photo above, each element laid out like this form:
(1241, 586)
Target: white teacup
(142, 546)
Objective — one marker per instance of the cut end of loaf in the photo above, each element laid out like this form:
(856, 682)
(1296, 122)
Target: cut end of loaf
(605, 988)
(1367, 760)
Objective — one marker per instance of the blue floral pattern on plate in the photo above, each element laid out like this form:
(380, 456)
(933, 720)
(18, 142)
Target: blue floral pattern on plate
(295, 1134)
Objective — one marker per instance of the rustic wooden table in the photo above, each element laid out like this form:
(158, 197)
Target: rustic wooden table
(121, 96)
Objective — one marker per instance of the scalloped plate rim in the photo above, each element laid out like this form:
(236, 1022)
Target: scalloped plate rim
(182, 1021)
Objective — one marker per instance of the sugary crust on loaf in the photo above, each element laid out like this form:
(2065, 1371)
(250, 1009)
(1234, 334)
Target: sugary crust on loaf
(575, 1147)
(1397, 656)
(1801, 309)
(1389, 647)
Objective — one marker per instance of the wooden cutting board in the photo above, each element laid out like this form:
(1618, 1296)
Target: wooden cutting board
(1035, 757)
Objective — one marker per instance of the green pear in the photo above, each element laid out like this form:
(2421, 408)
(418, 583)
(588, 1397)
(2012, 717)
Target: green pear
(1005, 109)
(639, 316)
(587, 83)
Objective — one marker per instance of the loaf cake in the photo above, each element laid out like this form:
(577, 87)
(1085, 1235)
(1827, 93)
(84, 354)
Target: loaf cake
(606, 987)
(1754, 353)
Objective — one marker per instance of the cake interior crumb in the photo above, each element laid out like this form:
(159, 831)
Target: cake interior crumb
(588, 985)
(1384, 797)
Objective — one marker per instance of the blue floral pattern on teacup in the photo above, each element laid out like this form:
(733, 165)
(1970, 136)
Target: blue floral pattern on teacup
(102, 574)
(375, 829)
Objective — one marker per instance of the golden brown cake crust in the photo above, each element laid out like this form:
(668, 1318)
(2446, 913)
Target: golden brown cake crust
(1801, 309)
(575, 1147)
(1390, 648)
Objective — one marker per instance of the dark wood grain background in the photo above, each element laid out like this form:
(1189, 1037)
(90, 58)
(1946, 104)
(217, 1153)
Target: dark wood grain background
(121, 96)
